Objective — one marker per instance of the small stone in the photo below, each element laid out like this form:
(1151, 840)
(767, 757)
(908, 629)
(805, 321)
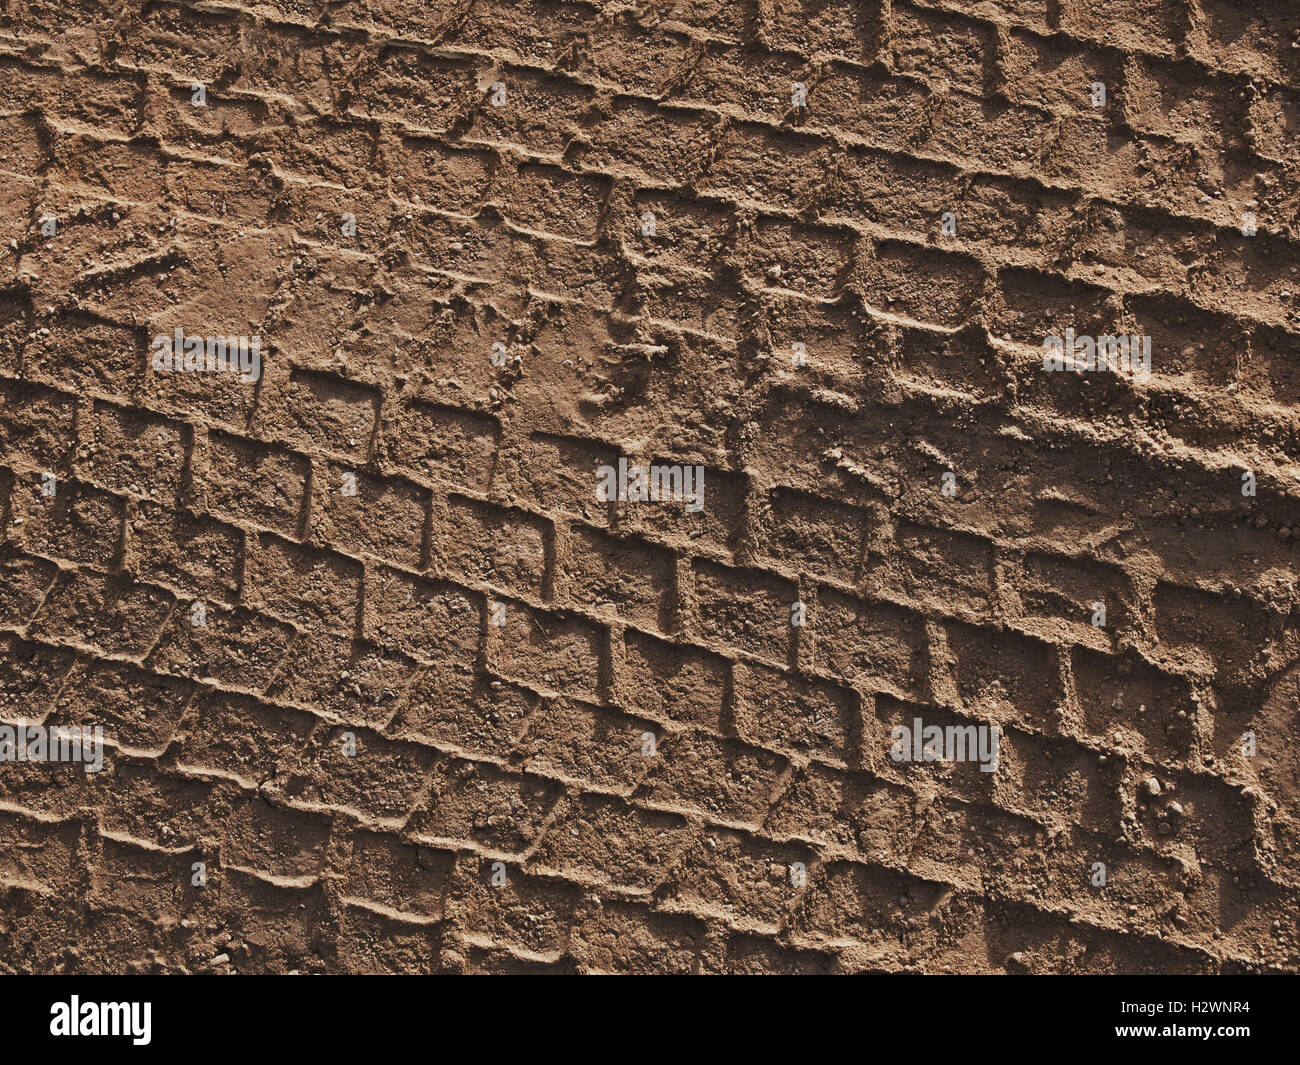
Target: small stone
(1151, 786)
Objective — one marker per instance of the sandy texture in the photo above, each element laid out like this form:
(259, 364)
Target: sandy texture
(447, 711)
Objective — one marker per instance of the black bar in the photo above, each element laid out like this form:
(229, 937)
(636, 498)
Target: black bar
(337, 1014)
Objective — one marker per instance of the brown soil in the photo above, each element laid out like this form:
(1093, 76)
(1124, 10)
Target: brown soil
(668, 774)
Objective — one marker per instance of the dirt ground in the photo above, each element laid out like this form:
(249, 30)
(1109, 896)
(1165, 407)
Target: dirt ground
(386, 685)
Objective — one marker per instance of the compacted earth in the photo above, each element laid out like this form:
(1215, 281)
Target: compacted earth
(493, 487)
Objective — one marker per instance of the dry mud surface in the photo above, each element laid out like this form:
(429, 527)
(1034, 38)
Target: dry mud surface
(667, 773)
